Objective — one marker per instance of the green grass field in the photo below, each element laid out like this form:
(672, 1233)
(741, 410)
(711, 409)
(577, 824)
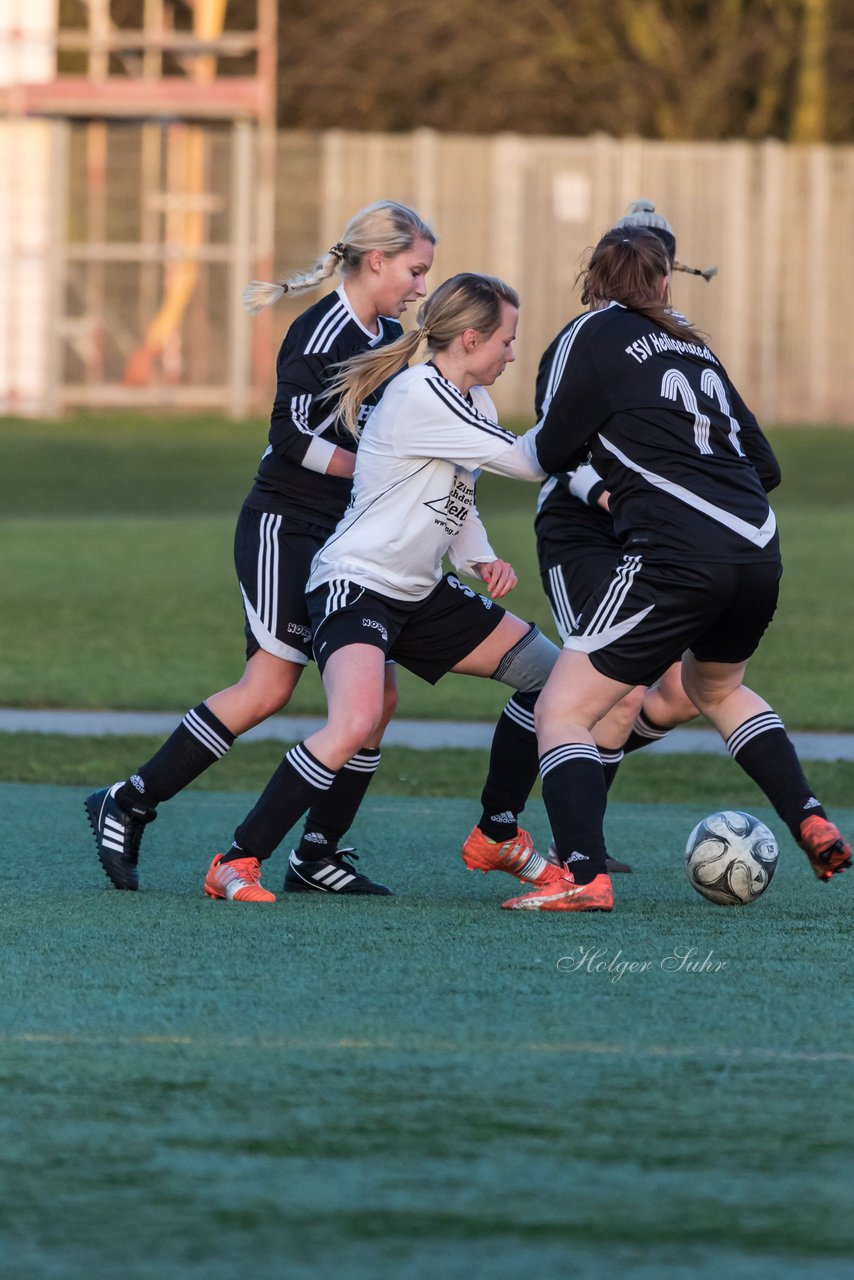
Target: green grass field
(421, 1086)
(415, 1088)
(119, 589)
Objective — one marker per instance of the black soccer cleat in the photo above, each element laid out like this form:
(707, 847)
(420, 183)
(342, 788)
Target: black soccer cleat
(117, 834)
(333, 873)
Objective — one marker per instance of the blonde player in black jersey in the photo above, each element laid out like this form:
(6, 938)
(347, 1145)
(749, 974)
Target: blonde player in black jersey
(699, 574)
(377, 589)
(301, 489)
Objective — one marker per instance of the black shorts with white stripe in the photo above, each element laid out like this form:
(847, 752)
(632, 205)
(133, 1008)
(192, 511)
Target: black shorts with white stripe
(648, 613)
(273, 556)
(428, 637)
(570, 585)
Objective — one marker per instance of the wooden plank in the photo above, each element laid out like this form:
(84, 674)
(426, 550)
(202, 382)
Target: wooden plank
(229, 98)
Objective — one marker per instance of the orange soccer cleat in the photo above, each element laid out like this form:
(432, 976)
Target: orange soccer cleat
(823, 843)
(238, 880)
(598, 895)
(517, 857)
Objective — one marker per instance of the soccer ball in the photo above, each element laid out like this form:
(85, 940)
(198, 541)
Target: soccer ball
(731, 857)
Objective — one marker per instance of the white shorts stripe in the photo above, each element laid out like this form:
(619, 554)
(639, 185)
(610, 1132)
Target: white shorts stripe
(565, 620)
(269, 642)
(614, 597)
(267, 593)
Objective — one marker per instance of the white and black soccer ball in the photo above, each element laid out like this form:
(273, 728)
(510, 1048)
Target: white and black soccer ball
(731, 857)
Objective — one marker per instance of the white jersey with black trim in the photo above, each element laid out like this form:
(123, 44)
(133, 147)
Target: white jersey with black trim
(413, 491)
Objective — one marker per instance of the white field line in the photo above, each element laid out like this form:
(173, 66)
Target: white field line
(565, 1048)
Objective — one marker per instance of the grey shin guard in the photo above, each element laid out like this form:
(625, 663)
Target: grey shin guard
(526, 667)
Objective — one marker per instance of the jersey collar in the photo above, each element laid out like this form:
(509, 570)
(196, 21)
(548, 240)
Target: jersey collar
(374, 338)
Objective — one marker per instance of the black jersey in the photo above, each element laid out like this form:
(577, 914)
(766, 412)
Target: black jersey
(304, 427)
(683, 458)
(567, 526)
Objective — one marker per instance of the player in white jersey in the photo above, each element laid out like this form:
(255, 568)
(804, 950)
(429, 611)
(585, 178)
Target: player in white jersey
(698, 578)
(377, 590)
(300, 491)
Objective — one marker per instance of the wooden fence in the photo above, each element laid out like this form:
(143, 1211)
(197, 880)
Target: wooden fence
(152, 230)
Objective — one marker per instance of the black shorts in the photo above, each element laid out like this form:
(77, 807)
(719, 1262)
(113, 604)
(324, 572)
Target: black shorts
(648, 613)
(570, 584)
(273, 560)
(428, 637)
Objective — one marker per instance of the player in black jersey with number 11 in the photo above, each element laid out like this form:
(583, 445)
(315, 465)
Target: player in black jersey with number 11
(698, 579)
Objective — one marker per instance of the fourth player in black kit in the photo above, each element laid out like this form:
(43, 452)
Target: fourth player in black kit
(687, 469)
(576, 548)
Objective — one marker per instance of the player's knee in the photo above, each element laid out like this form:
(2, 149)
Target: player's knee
(359, 729)
(701, 690)
(269, 701)
(271, 694)
(528, 664)
(391, 697)
(626, 712)
(552, 707)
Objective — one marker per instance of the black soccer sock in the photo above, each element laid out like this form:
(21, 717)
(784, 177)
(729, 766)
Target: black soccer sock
(198, 742)
(766, 754)
(333, 812)
(575, 797)
(643, 734)
(611, 761)
(297, 783)
(512, 768)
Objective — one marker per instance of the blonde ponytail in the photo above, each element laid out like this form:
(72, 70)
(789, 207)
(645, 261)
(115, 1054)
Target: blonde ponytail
(359, 376)
(259, 294)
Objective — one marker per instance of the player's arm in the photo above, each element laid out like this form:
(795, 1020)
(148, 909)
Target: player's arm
(439, 422)
(518, 458)
(586, 484)
(301, 381)
(471, 553)
(573, 414)
(471, 546)
(755, 443)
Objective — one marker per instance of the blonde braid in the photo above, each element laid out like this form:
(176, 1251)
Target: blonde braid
(259, 294)
(706, 272)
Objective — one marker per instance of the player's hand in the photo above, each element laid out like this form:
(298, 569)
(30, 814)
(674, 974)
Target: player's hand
(498, 575)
